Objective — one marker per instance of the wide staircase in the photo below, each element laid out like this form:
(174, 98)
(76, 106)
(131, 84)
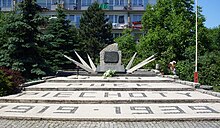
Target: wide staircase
(119, 98)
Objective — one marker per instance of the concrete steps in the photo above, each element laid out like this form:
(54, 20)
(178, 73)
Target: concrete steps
(109, 86)
(109, 97)
(125, 79)
(124, 98)
(111, 112)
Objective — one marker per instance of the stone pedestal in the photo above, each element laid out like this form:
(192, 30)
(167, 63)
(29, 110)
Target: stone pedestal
(110, 58)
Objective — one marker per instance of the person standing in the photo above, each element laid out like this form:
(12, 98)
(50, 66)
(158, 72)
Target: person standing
(172, 66)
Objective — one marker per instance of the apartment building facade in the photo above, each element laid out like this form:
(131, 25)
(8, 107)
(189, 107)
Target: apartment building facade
(121, 13)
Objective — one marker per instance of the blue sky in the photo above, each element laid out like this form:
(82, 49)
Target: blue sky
(211, 11)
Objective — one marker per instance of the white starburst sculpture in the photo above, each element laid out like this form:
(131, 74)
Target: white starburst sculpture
(92, 67)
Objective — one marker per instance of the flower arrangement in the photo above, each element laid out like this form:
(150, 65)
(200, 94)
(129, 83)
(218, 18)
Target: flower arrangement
(109, 73)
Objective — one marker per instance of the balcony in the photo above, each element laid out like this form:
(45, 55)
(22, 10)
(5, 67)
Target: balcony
(55, 4)
(141, 7)
(84, 7)
(137, 25)
(6, 8)
(118, 7)
(71, 7)
(53, 7)
(119, 25)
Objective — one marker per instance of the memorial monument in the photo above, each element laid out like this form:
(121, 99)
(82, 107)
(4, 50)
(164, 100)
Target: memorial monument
(110, 59)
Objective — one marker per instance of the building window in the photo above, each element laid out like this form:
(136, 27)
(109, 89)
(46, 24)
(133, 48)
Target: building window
(7, 3)
(86, 2)
(72, 18)
(55, 2)
(121, 19)
(136, 18)
(115, 35)
(116, 19)
(111, 2)
(111, 18)
(137, 2)
(119, 2)
(71, 2)
(77, 21)
(42, 3)
(104, 1)
(45, 3)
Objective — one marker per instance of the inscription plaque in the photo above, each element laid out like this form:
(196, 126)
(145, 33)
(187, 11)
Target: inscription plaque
(111, 57)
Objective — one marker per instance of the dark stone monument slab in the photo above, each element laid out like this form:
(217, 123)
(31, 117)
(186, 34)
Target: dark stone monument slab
(110, 58)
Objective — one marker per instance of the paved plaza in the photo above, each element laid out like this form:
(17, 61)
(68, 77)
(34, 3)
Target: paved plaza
(125, 101)
(113, 124)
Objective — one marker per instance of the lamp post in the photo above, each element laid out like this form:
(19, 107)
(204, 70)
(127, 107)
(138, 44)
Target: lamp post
(196, 57)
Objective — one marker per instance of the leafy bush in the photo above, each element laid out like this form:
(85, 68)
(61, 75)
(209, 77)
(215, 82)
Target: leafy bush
(185, 70)
(10, 81)
(15, 76)
(5, 84)
(209, 68)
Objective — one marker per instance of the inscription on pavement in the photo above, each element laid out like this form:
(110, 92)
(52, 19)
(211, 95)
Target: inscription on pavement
(111, 85)
(110, 94)
(111, 110)
(111, 78)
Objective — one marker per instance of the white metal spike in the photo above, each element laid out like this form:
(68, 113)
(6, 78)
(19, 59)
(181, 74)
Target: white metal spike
(141, 64)
(91, 63)
(131, 61)
(79, 64)
(82, 61)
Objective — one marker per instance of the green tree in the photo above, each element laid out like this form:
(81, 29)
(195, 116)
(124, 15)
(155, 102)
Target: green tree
(62, 40)
(214, 38)
(21, 49)
(95, 31)
(209, 68)
(3, 19)
(169, 28)
(127, 45)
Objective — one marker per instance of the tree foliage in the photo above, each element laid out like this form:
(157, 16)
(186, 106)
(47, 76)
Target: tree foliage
(94, 31)
(3, 22)
(61, 39)
(170, 31)
(214, 39)
(21, 47)
(127, 45)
